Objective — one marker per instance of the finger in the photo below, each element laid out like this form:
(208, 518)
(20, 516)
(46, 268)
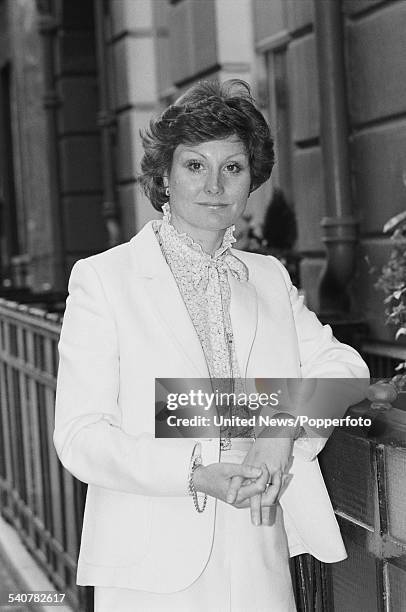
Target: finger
(233, 489)
(271, 494)
(246, 474)
(243, 469)
(243, 504)
(265, 515)
(255, 501)
(250, 471)
(243, 472)
(255, 487)
(269, 514)
(255, 504)
(269, 509)
(248, 490)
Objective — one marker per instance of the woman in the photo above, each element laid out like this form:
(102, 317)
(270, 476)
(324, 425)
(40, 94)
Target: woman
(185, 524)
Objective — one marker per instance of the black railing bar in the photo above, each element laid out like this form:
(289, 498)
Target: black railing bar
(13, 305)
(45, 449)
(22, 308)
(48, 380)
(31, 323)
(31, 328)
(354, 521)
(13, 431)
(54, 547)
(45, 535)
(38, 507)
(41, 559)
(31, 545)
(6, 437)
(24, 313)
(71, 536)
(26, 436)
(54, 471)
(9, 515)
(48, 354)
(380, 468)
(28, 513)
(56, 579)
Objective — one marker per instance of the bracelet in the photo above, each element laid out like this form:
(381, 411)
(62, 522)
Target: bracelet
(196, 462)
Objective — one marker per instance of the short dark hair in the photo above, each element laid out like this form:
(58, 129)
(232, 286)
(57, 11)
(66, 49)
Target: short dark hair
(207, 111)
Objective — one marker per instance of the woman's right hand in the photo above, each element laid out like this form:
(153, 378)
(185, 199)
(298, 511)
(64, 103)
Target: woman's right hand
(215, 480)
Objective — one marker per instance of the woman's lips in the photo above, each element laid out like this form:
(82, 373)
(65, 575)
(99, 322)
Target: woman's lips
(212, 204)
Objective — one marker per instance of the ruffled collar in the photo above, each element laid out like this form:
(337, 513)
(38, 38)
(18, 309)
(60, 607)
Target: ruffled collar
(227, 242)
(187, 255)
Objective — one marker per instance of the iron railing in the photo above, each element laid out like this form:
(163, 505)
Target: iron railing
(37, 495)
(45, 503)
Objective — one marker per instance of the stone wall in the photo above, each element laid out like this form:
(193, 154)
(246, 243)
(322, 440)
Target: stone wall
(376, 99)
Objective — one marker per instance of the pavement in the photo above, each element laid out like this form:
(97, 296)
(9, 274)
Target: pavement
(8, 584)
(19, 573)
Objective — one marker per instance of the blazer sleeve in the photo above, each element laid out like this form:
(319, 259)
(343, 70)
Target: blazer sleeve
(88, 436)
(324, 358)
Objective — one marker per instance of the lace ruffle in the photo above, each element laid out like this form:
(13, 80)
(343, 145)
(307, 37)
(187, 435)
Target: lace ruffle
(227, 242)
(204, 285)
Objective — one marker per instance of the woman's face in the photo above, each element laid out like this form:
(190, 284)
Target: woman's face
(209, 184)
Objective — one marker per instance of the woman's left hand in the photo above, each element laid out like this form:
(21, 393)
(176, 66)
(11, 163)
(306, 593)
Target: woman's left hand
(276, 454)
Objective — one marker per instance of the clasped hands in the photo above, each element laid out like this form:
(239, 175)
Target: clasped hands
(256, 483)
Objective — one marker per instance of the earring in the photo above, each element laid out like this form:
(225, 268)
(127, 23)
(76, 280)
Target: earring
(167, 192)
(166, 210)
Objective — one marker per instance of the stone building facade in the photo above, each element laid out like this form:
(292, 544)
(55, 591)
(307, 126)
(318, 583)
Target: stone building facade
(79, 79)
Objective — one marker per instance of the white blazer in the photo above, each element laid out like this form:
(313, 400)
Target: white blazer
(125, 324)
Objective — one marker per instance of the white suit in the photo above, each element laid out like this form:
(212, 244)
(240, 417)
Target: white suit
(125, 324)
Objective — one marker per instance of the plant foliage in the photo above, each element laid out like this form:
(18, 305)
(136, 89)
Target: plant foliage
(392, 280)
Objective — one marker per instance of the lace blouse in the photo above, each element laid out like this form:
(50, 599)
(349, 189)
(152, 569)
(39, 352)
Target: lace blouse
(203, 281)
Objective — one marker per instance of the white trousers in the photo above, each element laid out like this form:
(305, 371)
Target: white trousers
(248, 570)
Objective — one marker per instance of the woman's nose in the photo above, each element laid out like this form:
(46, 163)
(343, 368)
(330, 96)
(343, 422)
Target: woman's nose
(214, 183)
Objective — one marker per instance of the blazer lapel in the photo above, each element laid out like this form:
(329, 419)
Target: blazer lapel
(244, 319)
(166, 299)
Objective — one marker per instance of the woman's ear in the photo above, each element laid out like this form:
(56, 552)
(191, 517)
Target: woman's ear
(165, 181)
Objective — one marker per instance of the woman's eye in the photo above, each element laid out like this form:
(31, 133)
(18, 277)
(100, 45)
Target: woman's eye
(233, 168)
(195, 166)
